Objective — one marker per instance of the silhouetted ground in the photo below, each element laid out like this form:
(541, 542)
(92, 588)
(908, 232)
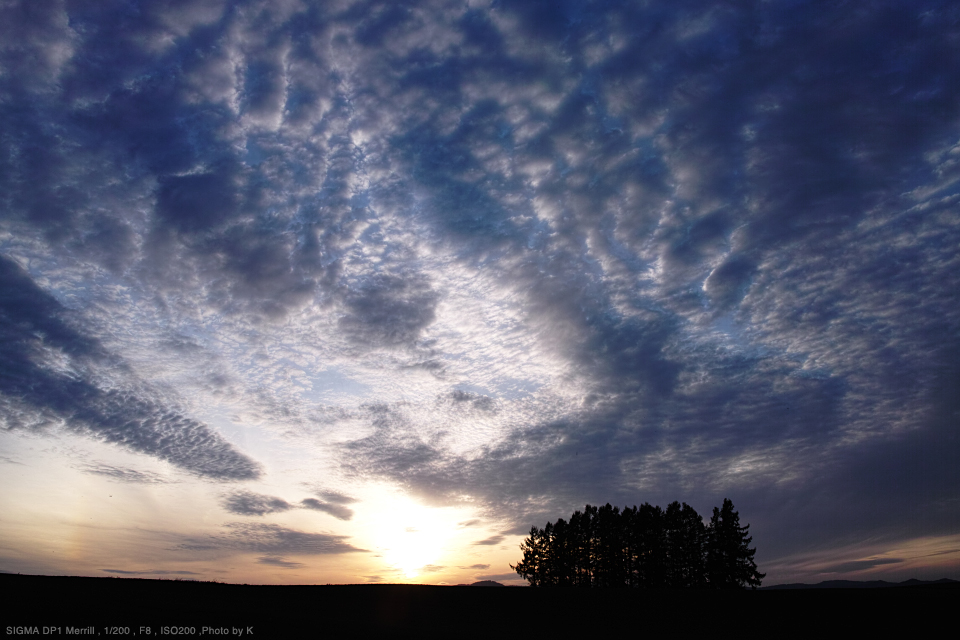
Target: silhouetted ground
(943, 583)
(193, 609)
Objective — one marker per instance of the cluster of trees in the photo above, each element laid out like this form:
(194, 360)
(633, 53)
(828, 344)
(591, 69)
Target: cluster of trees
(641, 546)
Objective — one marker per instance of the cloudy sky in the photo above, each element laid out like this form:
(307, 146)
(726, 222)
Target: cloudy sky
(358, 291)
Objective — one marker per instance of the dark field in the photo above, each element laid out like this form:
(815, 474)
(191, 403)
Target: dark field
(170, 606)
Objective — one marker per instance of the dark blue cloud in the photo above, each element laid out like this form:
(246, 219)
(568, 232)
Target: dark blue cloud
(196, 202)
(388, 310)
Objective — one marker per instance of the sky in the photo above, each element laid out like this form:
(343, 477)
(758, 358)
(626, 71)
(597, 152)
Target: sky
(359, 291)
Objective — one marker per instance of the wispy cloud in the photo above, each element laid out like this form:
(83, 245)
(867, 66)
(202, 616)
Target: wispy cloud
(336, 498)
(860, 565)
(276, 561)
(148, 572)
(276, 539)
(122, 474)
(247, 503)
(271, 539)
(336, 510)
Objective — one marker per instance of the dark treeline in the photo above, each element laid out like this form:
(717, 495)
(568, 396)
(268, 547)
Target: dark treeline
(643, 546)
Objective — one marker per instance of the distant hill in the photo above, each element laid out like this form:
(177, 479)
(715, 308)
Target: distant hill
(867, 584)
(482, 583)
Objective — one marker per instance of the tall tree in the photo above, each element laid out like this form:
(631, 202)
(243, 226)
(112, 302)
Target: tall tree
(608, 563)
(651, 546)
(685, 536)
(729, 558)
(582, 546)
(534, 548)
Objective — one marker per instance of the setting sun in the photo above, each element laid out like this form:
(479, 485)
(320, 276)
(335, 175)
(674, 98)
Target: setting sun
(411, 536)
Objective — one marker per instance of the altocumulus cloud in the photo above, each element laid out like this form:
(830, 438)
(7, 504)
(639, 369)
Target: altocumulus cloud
(51, 368)
(247, 503)
(121, 474)
(577, 253)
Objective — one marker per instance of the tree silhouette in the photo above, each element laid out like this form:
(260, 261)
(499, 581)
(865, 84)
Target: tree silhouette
(534, 548)
(643, 546)
(729, 561)
(685, 539)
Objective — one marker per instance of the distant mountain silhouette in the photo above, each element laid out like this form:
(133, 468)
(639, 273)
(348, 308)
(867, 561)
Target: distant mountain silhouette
(482, 583)
(868, 584)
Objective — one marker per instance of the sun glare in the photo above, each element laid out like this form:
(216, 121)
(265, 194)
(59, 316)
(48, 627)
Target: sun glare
(411, 536)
